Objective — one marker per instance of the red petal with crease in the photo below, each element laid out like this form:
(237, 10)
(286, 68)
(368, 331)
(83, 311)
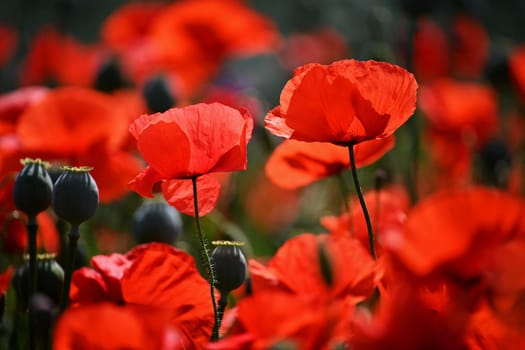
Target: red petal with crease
(179, 194)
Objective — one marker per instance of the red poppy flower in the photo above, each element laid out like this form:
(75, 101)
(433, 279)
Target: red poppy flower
(117, 327)
(322, 46)
(60, 59)
(208, 32)
(273, 318)
(431, 51)
(470, 47)
(188, 142)
(297, 268)
(76, 126)
(468, 110)
(517, 69)
(295, 164)
(8, 39)
(153, 275)
(388, 208)
(456, 231)
(345, 103)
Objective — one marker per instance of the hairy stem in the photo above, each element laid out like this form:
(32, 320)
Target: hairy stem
(73, 236)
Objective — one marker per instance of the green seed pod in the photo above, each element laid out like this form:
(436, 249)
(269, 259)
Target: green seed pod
(75, 195)
(156, 221)
(33, 188)
(229, 265)
(50, 277)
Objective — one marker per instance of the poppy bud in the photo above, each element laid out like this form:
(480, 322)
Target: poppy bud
(158, 95)
(229, 265)
(75, 195)
(50, 279)
(156, 221)
(33, 187)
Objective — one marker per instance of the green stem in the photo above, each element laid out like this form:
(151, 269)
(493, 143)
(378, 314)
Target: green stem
(32, 227)
(74, 234)
(223, 302)
(209, 266)
(362, 201)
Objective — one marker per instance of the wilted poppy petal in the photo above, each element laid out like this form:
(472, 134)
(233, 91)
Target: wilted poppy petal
(169, 279)
(179, 194)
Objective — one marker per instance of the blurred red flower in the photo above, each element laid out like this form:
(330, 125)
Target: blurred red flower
(205, 33)
(462, 118)
(298, 267)
(517, 69)
(274, 318)
(74, 126)
(388, 210)
(8, 42)
(132, 327)
(57, 59)
(152, 275)
(345, 103)
(192, 141)
(295, 164)
(462, 52)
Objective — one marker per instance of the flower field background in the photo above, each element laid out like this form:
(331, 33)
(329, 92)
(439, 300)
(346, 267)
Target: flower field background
(228, 174)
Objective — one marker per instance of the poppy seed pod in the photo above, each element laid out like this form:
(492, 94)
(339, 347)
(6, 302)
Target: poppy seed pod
(75, 195)
(50, 279)
(33, 188)
(229, 265)
(156, 222)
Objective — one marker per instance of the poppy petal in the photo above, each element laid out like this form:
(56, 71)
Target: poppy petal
(87, 285)
(179, 194)
(144, 181)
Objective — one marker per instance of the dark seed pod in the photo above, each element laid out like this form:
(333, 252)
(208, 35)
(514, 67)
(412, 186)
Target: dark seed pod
(33, 187)
(156, 221)
(50, 276)
(109, 77)
(229, 265)
(158, 95)
(75, 195)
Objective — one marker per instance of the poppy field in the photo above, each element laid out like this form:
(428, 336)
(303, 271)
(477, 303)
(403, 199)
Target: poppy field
(235, 175)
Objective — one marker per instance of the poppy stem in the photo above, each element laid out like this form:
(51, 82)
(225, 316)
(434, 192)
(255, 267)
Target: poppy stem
(207, 260)
(362, 201)
(32, 227)
(73, 235)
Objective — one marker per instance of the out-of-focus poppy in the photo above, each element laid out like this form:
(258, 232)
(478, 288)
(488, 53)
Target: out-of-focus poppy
(75, 126)
(462, 52)
(388, 209)
(345, 103)
(454, 231)
(299, 267)
(153, 275)
(8, 40)
(190, 142)
(273, 318)
(295, 164)
(462, 118)
(431, 56)
(117, 327)
(517, 69)
(323, 46)
(208, 32)
(470, 46)
(58, 59)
